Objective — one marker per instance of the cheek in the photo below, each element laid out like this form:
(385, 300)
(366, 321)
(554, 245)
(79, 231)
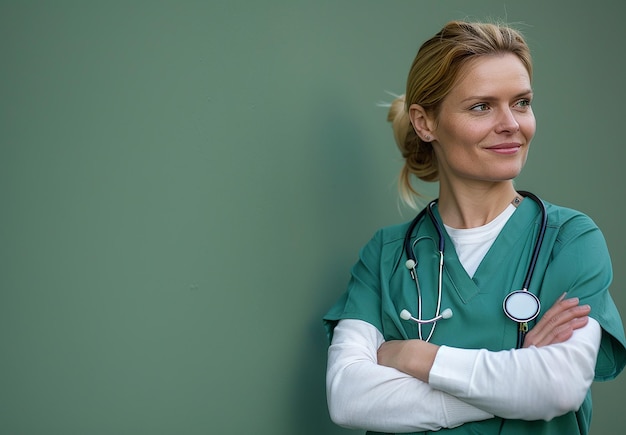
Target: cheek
(529, 126)
(458, 133)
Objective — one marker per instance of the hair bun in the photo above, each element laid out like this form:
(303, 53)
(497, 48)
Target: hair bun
(399, 119)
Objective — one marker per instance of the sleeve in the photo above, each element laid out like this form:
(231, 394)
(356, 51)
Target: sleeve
(527, 384)
(362, 298)
(363, 394)
(581, 265)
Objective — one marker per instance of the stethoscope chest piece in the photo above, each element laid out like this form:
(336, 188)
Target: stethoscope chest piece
(521, 306)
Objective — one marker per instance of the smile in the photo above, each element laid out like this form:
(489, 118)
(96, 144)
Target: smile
(505, 148)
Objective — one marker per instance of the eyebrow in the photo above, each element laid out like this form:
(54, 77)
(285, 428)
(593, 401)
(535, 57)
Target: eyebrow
(491, 98)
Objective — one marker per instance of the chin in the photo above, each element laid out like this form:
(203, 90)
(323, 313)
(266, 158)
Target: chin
(510, 172)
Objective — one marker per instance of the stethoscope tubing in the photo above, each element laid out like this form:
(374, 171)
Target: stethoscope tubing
(428, 210)
(542, 232)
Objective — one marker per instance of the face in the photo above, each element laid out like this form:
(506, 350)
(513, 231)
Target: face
(485, 124)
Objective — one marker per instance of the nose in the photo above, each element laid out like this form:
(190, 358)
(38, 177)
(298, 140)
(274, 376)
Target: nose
(507, 121)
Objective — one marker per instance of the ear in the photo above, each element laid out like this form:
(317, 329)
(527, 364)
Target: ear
(422, 123)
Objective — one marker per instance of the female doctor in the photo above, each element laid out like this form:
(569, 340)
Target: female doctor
(460, 359)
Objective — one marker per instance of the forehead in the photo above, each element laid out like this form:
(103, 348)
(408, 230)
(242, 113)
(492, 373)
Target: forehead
(492, 74)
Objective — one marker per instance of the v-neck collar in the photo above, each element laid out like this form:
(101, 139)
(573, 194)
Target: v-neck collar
(490, 271)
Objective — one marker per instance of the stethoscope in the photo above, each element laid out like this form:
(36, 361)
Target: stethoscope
(521, 306)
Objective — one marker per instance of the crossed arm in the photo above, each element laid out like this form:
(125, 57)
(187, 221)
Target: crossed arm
(412, 385)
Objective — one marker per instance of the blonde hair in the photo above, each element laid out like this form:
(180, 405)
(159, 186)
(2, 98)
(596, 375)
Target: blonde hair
(433, 74)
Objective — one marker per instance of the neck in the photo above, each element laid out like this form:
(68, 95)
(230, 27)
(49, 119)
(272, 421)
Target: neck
(472, 207)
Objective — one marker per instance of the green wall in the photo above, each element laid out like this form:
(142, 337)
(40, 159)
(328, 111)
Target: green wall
(185, 185)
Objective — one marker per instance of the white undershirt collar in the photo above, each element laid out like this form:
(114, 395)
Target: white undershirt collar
(472, 244)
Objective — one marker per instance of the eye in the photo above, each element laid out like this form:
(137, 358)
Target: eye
(523, 103)
(480, 107)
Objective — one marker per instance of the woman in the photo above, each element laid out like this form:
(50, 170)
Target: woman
(467, 122)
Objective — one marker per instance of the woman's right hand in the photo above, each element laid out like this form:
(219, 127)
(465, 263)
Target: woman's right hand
(558, 323)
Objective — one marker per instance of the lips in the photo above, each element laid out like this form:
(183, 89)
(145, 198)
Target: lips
(506, 148)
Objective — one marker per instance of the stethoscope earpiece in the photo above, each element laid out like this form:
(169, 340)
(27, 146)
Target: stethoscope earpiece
(406, 315)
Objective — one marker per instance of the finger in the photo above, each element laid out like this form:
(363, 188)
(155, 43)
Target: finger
(562, 317)
(559, 328)
(565, 332)
(561, 305)
(561, 312)
(549, 320)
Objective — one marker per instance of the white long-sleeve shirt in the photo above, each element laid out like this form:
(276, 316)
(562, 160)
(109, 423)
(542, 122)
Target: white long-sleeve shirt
(464, 384)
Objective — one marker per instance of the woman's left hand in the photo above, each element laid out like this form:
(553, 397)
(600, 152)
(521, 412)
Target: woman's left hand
(558, 323)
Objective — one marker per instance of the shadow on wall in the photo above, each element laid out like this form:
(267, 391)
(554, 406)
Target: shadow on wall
(343, 173)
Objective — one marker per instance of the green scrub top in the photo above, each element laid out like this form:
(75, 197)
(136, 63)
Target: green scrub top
(574, 258)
